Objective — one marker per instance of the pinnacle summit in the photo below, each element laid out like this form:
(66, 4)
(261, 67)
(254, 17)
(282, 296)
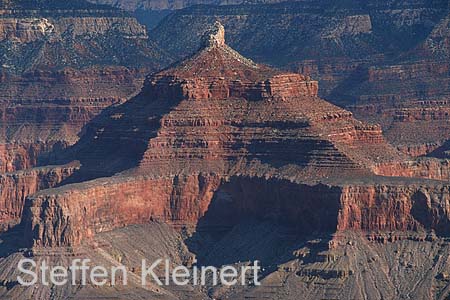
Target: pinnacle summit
(215, 36)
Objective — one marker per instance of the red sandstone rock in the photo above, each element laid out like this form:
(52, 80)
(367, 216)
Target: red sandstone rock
(15, 187)
(177, 200)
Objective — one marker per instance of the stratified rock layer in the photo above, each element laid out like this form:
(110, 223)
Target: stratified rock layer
(15, 187)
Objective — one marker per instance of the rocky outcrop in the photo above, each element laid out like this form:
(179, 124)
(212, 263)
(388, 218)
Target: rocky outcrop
(20, 156)
(276, 87)
(15, 187)
(71, 214)
(424, 167)
(405, 207)
(26, 30)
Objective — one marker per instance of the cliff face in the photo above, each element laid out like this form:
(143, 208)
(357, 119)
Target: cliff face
(31, 28)
(62, 65)
(66, 100)
(385, 205)
(69, 215)
(395, 208)
(77, 212)
(19, 157)
(201, 199)
(15, 187)
(385, 61)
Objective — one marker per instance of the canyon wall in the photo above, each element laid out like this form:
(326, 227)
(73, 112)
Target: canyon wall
(68, 215)
(278, 87)
(21, 156)
(384, 205)
(15, 187)
(44, 112)
(72, 214)
(430, 168)
(405, 207)
(28, 29)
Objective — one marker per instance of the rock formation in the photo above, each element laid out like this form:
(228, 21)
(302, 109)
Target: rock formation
(385, 61)
(218, 159)
(15, 187)
(196, 133)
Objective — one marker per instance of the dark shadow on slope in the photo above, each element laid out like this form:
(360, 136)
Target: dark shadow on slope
(283, 151)
(263, 220)
(268, 242)
(11, 241)
(441, 152)
(151, 18)
(340, 94)
(427, 215)
(117, 138)
(420, 209)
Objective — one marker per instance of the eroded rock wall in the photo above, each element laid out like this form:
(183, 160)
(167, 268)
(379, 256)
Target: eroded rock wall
(75, 213)
(67, 216)
(408, 207)
(430, 168)
(15, 187)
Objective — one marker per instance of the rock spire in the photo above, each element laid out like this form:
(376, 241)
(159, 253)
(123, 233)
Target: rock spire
(215, 36)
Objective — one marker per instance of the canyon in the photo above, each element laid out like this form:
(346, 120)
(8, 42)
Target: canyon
(111, 151)
(218, 152)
